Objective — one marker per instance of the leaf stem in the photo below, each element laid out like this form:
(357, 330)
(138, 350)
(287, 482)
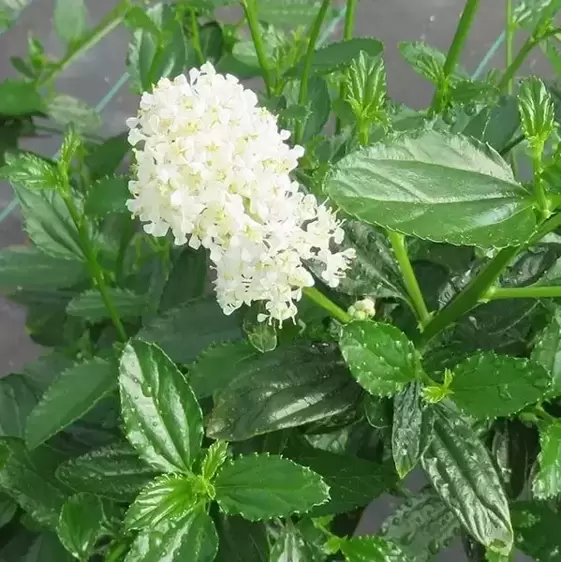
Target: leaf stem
(305, 78)
(529, 292)
(398, 244)
(512, 144)
(464, 25)
(320, 299)
(509, 41)
(250, 10)
(196, 39)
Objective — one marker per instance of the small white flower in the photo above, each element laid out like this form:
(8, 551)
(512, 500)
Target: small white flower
(214, 169)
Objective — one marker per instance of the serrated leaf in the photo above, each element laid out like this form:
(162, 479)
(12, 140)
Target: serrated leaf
(107, 196)
(80, 525)
(192, 538)
(8, 509)
(291, 546)
(70, 19)
(421, 526)
(114, 471)
(17, 400)
(411, 429)
(372, 549)
(290, 386)
(380, 356)
(19, 97)
(185, 331)
(459, 468)
(262, 487)
(162, 417)
(68, 110)
(537, 112)
(547, 353)
(255, 547)
(166, 499)
(337, 56)
(434, 185)
(87, 383)
(547, 481)
(426, 60)
(261, 335)
(215, 457)
(489, 386)
(90, 304)
(103, 159)
(31, 172)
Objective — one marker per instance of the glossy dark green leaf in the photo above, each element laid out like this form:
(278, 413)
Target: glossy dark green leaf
(537, 112)
(80, 525)
(262, 487)
(90, 305)
(107, 196)
(254, 547)
(434, 185)
(17, 400)
(291, 546)
(114, 471)
(19, 97)
(162, 417)
(462, 473)
(193, 538)
(167, 498)
(380, 356)
(8, 509)
(338, 55)
(537, 531)
(411, 429)
(31, 172)
(47, 547)
(372, 549)
(288, 387)
(185, 331)
(103, 159)
(547, 481)
(421, 526)
(426, 60)
(87, 383)
(70, 19)
(547, 352)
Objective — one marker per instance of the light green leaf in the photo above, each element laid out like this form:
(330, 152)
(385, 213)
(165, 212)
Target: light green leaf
(421, 526)
(19, 97)
(426, 60)
(215, 457)
(71, 19)
(87, 383)
(68, 110)
(290, 13)
(291, 546)
(185, 331)
(337, 56)
(162, 417)
(80, 525)
(70, 144)
(458, 466)
(114, 471)
(90, 304)
(262, 487)
(547, 353)
(17, 400)
(547, 481)
(31, 172)
(434, 185)
(537, 112)
(107, 196)
(254, 549)
(261, 335)
(412, 428)
(288, 387)
(380, 356)
(8, 509)
(371, 549)
(489, 386)
(529, 13)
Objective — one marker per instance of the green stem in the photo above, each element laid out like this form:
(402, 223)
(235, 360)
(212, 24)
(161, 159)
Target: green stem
(512, 144)
(320, 299)
(398, 244)
(196, 39)
(529, 292)
(92, 37)
(462, 31)
(305, 78)
(250, 10)
(541, 197)
(93, 265)
(509, 41)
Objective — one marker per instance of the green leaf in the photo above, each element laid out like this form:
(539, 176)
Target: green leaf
(87, 383)
(426, 60)
(191, 538)
(434, 185)
(17, 400)
(19, 97)
(291, 546)
(68, 110)
(47, 546)
(412, 428)
(290, 13)
(421, 526)
(215, 457)
(458, 466)
(8, 509)
(80, 525)
(107, 196)
(380, 356)
(90, 304)
(489, 386)
(166, 499)
(547, 353)
(537, 112)
(529, 13)
(537, 531)
(137, 18)
(547, 481)
(162, 417)
(31, 172)
(262, 487)
(339, 55)
(288, 387)
(104, 159)
(371, 549)
(70, 144)
(254, 547)
(185, 331)
(70, 19)
(211, 38)
(114, 471)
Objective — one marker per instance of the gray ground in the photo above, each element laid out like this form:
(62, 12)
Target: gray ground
(96, 74)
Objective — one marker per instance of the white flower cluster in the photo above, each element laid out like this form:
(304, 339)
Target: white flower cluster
(213, 168)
